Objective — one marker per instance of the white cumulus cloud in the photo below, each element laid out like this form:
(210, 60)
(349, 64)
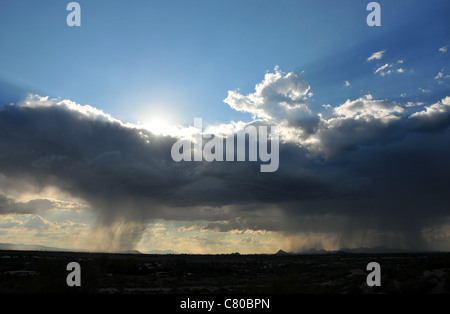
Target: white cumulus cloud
(376, 55)
(435, 110)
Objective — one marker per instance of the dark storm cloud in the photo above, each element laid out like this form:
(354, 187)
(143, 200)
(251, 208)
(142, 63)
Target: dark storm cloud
(9, 205)
(365, 168)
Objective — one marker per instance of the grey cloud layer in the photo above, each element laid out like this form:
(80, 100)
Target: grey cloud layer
(9, 205)
(363, 165)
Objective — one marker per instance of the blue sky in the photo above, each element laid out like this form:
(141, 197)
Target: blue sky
(178, 59)
(363, 114)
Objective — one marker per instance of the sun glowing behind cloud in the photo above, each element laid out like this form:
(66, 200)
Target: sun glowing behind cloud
(160, 126)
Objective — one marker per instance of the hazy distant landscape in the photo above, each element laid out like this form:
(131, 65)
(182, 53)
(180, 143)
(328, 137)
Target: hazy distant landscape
(364, 250)
(34, 247)
(281, 273)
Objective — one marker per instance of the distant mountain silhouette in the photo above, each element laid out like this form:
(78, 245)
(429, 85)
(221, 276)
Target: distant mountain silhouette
(30, 247)
(36, 247)
(373, 250)
(314, 251)
(161, 252)
(130, 252)
(361, 250)
(283, 253)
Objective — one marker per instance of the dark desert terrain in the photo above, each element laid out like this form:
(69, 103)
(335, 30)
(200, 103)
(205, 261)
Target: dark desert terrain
(41, 272)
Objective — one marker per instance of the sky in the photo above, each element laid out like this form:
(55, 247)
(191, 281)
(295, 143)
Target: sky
(89, 114)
